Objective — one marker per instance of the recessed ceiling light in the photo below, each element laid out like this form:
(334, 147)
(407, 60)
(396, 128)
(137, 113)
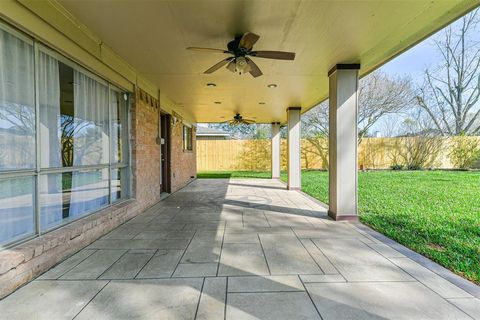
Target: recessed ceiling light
(261, 103)
(218, 102)
(272, 85)
(211, 85)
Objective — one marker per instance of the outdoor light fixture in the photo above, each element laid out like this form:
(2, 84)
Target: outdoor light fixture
(272, 85)
(211, 85)
(241, 65)
(241, 51)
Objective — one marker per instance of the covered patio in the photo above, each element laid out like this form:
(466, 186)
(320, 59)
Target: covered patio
(101, 214)
(241, 249)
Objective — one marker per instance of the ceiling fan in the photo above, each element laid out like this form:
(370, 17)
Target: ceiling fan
(241, 48)
(238, 120)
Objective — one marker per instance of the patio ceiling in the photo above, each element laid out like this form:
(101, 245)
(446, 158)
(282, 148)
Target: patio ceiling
(152, 37)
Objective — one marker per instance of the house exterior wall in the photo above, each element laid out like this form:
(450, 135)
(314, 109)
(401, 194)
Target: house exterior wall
(145, 150)
(28, 260)
(183, 162)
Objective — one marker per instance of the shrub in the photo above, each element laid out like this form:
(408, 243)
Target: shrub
(464, 151)
(418, 152)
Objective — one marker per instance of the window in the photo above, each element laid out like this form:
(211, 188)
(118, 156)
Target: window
(70, 195)
(17, 103)
(17, 137)
(187, 138)
(77, 121)
(119, 185)
(17, 217)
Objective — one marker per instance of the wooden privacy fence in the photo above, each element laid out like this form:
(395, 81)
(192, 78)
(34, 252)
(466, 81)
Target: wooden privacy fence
(374, 153)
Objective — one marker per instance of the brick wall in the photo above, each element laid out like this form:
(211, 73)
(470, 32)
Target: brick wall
(183, 162)
(28, 260)
(145, 150)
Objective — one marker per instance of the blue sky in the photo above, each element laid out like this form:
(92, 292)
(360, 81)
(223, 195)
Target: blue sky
(414, 61)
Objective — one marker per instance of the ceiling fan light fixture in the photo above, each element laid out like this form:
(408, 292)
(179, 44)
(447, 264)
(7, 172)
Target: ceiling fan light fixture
(240, 50)
(272, 85)
(242, 65)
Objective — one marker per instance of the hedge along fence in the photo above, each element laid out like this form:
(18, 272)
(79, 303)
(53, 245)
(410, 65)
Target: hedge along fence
(374, 153)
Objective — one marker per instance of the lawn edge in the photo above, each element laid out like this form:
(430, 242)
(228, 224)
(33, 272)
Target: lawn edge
(464, 284)
(461, 282)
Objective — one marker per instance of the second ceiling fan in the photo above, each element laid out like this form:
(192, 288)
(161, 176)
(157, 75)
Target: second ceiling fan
(241, 48)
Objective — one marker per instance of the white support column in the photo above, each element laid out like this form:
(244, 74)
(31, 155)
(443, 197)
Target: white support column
(343, 153)
(276, 150)
(293, 148)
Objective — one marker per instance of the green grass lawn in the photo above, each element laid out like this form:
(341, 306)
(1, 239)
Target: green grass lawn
(234, 174)
(436, 213)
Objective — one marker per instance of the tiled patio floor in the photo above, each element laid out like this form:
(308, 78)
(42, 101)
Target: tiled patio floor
(239, 249)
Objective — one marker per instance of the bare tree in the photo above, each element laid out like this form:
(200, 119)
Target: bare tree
(451, 91)
(244, 131)
(418, 146)
(379, 95)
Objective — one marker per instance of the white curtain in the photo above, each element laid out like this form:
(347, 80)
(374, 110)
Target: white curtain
(91, 144)
(49, 100)
(51, 199)
(91, 121)
(116, 126)
(17, 111)
(17, 135)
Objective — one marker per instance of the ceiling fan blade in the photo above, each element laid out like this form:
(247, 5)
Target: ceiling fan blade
(208, 50)
(219, 65)
(254, 69)
(248, 121)
(231, 66)
(248, 40)
(279, 55)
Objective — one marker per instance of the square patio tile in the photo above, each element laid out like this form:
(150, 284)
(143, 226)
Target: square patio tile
(95, 265)
(438, 284)
(241, 238)
(47, 300)
(208, 269)
(242, 259)
(286, 255)
(380, 300)
(358, 262)
(145, 299)
(128, 266)
(270, 306)
(264, 284)
(162, 264)
(212, 301)
(202, 251)
(62, 268)
(470, 306)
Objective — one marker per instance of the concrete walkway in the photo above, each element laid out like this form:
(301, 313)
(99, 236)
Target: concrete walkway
(239, 249)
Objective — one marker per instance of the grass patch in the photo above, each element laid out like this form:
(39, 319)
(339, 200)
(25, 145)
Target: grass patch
(435, 213)
(234, 174)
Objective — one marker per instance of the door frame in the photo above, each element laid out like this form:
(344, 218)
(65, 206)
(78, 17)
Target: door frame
(165, 153)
